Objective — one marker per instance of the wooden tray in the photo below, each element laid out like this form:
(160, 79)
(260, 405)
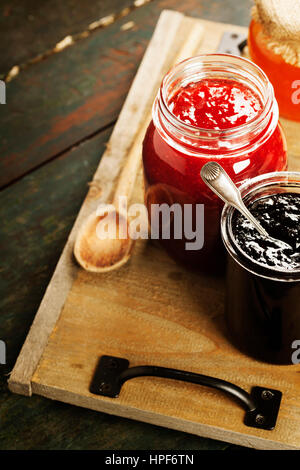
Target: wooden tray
(151, 311)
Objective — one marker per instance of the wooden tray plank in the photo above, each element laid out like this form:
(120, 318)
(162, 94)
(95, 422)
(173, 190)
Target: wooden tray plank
(151, 313)
(166, 323)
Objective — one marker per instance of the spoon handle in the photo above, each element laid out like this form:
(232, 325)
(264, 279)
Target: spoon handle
(222, 185)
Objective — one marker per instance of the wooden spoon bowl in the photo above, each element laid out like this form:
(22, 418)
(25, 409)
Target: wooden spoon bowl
(102, 254)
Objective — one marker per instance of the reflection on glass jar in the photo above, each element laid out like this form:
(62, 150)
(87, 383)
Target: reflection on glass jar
(263, 283)
(209, 107)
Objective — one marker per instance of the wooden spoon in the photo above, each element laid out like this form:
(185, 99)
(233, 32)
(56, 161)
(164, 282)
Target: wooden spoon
(102, 255)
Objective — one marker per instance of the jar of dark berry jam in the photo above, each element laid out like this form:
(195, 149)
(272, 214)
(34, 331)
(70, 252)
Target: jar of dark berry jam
(209, 107)
(263, 277)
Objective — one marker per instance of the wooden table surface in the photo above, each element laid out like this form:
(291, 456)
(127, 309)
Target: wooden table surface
(62, 104)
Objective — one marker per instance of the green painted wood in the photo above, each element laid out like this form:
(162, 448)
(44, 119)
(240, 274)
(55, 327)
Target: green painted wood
(70, 95)
(37, 214)
(29, 28)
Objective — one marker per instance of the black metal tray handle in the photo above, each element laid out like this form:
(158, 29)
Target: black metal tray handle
(262, 404)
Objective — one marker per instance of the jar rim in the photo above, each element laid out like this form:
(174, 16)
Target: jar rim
(204, 65)
(248, 188)
(189, 62)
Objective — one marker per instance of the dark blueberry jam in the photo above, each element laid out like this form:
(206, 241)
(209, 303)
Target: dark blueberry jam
(279, 214)
(263, 282)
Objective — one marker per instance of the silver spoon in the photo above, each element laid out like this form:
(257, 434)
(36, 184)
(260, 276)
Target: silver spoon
(220, 183)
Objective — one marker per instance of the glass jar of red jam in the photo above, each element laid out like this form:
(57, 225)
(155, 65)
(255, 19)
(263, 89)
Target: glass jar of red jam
(209, 107)
(263, 277)
(284, 76)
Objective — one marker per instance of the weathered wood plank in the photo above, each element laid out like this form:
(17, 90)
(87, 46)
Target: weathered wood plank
(28, 29)
(61, 100)
(37, 214)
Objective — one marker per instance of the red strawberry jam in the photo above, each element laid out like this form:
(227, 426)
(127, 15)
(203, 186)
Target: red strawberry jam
(228, 120)
(215, 104)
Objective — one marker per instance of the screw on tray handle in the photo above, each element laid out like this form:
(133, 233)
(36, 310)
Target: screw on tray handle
(261, 405)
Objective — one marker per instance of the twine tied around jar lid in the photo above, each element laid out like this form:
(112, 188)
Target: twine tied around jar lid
(280, 20)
